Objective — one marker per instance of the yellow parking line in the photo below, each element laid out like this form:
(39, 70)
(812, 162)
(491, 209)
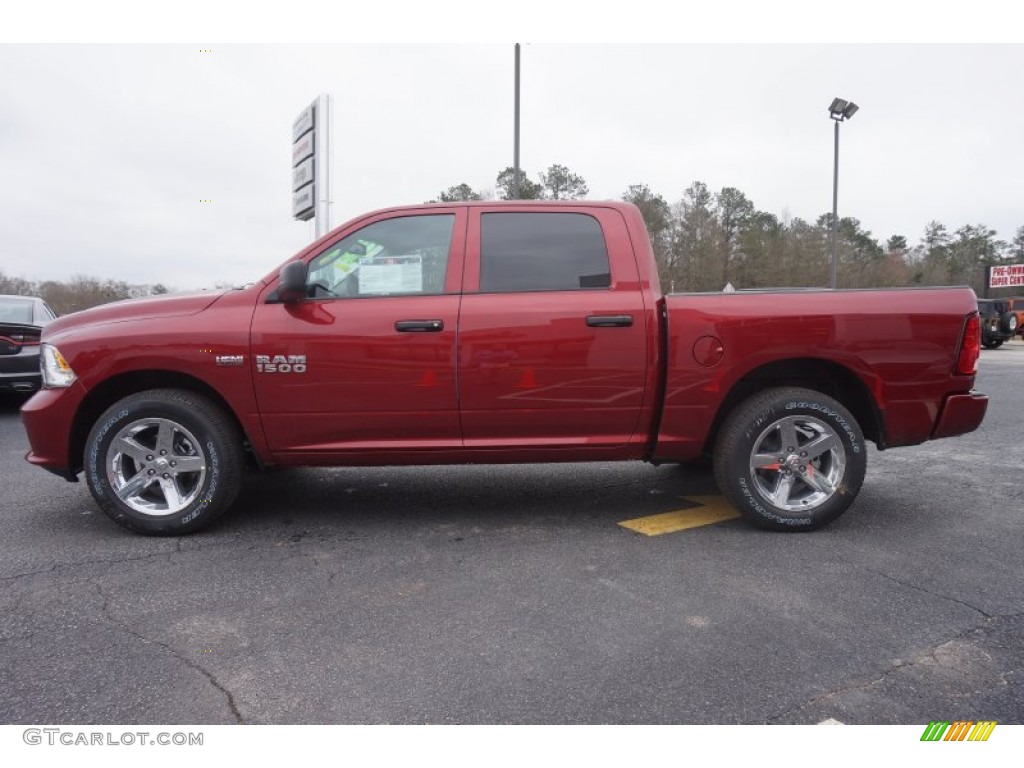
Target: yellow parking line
(710, 510)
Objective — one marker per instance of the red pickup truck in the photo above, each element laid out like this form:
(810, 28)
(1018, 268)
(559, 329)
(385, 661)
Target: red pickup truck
(497, 332)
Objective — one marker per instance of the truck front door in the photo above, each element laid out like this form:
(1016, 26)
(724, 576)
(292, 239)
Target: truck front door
(366, 363)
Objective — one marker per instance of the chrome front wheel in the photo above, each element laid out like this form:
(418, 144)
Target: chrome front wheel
(164, 461)
(156, 466)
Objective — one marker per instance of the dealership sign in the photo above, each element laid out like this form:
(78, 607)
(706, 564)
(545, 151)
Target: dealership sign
(310, 178)
(1009, 276)
(303, 148)
(302, 174)
(303, 157)
(303, 203)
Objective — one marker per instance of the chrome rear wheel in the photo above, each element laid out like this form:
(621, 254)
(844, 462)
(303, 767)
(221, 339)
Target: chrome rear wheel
(790, 459)
(797, 463)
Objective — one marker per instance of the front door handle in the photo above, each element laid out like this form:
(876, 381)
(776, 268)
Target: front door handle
(419, 326)
(610, 321)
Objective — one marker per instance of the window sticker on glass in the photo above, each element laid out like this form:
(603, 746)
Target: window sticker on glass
(348, 262)
(391, 274)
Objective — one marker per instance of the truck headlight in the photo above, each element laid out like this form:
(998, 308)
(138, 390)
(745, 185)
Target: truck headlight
(55, 369)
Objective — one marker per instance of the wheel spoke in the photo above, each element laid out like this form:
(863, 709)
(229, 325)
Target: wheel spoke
(765, 461)
(782, 490)
(129, 446)
(134, 486)
(189, 464)
(165, 438)
(818, 481)
(819, 445)
(171, 494)
(787, 433)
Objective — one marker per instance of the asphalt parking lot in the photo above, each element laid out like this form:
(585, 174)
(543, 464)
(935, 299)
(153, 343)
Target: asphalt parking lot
(512, 595)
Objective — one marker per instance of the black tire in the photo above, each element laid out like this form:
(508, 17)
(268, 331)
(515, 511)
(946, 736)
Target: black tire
(810, 490)
(1008, 323)
(180, 491)
(992, 343)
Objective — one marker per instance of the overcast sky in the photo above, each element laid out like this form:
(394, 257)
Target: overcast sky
(106, 151)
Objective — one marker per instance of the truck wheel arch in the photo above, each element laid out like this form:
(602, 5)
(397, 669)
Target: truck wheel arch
(108, 392)
(829, 378)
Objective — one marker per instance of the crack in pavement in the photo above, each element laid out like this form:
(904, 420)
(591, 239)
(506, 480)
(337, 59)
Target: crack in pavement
(51, 569)
(907, 584)
(169, 554)
(982, 627)
(232, 704)
(62, 566)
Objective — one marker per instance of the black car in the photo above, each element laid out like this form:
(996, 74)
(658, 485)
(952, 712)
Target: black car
(21, 324)
(998, 323)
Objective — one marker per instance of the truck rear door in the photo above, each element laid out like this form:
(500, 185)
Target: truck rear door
(552, 340)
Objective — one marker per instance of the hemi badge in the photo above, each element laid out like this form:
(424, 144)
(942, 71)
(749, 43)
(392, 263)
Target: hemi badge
(230, 359)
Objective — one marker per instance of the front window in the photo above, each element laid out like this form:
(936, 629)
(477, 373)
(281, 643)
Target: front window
(394, 257)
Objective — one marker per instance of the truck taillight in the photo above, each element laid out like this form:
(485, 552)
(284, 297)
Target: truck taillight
(970, 347)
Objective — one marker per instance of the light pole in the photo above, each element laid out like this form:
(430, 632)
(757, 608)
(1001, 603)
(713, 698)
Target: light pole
(838, 110)
(515, 136)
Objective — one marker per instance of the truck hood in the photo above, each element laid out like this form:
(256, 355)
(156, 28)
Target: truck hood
(134, 309)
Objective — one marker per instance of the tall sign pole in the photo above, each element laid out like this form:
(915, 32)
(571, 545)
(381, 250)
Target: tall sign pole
(322, 158)
(515, 139)
(311, 187)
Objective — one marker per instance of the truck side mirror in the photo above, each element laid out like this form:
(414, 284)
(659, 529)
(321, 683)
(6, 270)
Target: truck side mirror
(291, 284)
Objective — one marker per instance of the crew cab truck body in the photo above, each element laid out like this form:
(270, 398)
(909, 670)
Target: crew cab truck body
(497, 333)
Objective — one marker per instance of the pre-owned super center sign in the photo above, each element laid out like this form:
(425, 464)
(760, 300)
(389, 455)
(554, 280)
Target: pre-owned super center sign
(1008, 276)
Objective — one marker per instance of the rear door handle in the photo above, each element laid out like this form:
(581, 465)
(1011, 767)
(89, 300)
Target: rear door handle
(610, 321)
(419, 326)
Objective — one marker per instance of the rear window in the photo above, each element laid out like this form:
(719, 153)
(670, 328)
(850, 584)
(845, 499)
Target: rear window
(16, 311)
(542, 252)
(991, 307)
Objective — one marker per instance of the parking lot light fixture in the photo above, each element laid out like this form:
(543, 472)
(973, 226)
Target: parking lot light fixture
(839, 110)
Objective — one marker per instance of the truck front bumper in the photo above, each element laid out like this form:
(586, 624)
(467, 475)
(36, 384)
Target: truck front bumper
(49, 418)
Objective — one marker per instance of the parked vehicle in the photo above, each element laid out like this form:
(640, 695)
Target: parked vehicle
(497, 332)
(1017, 307)
(998, 322)
(21, 323)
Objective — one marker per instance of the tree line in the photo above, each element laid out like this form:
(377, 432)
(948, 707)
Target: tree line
(77, 293)
(706, 240)
(702, 242)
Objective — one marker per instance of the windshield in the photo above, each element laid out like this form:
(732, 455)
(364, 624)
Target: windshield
(15, 311)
